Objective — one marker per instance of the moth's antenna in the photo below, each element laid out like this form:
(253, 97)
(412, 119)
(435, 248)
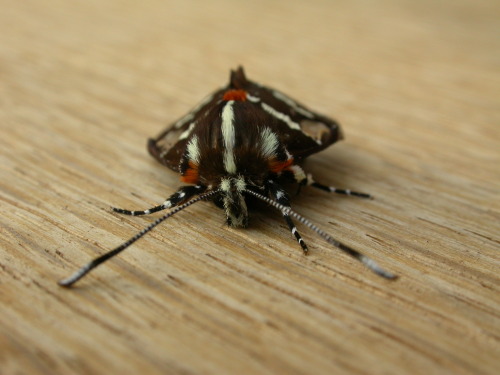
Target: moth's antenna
(368, 262)
(94, 263)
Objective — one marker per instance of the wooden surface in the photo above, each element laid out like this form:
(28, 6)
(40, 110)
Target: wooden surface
(83, 84)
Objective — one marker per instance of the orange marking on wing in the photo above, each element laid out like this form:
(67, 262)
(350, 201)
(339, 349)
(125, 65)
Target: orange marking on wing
(277, 166)
(191, 175)
(239, 95)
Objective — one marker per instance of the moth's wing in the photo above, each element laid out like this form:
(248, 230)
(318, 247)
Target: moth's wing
(303, 131)
(169, 146)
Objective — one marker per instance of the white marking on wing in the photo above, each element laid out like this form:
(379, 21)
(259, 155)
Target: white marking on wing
(280, 116)
(194, 150)
(183, 120)
(190, 115)
(269, 143)
(228, 137)
(280, 96)
(188, 131)
(253, 99)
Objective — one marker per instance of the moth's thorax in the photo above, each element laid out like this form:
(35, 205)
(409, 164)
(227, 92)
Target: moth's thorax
(232, 140)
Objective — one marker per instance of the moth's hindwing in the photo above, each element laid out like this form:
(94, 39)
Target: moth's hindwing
(301, 131)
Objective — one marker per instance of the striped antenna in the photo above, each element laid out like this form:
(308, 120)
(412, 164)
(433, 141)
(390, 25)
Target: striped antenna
(68, 282)
(367, 261)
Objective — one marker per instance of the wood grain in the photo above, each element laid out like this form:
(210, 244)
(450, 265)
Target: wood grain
(416, 87)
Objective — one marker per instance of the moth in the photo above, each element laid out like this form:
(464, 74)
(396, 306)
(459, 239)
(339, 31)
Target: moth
(241, 144)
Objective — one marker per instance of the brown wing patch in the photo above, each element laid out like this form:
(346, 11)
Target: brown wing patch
(318, 130)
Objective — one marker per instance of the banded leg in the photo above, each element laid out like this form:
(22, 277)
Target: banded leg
(302, 179)
(281, 197)
(332, 189)
(181, 195)
(367, 261)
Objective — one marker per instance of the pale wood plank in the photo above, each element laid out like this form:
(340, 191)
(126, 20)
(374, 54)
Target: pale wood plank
(416, 86)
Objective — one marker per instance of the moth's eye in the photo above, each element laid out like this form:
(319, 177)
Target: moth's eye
(315, 129)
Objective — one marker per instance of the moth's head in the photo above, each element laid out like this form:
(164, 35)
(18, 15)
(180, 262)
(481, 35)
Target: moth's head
(232, 200)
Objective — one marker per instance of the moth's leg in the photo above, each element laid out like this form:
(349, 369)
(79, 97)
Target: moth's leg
(300, 177)
(296, 174)
(310, 181)
(180, 196)
(281, 197)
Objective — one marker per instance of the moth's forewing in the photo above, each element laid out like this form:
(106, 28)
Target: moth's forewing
(169, 146)
(301, 131)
